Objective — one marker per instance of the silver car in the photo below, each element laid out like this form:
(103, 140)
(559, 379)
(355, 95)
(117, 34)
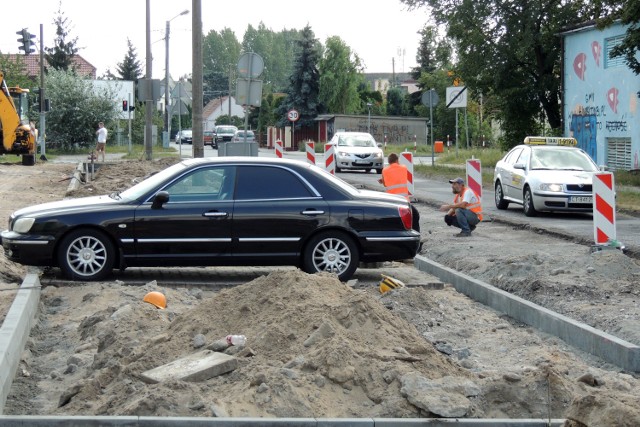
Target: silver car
(357, 151)
(244, 136)
(545, 174)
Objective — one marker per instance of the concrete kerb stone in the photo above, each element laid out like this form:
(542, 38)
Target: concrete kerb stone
(598, 343)
(15, 332)
(129, 421)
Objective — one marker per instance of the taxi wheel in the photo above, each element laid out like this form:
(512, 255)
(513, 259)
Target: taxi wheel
(501, 203)
(527, 203)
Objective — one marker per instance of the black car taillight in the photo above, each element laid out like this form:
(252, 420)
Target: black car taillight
(406, 216)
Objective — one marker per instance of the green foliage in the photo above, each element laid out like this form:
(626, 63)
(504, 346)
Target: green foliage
(15, 72)
(130, 68)
(340, 74)
(304, 87)
(60, 56)
(396, 102)
(139, 123)
(233, 120)
(220, 54)
(630, 46)
(76, 110)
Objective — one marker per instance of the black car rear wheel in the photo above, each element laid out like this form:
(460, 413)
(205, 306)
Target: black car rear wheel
(86, 255)
(332, 252)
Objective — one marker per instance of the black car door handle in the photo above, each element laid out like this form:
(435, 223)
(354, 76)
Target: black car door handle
(216, 214)
(312, 212)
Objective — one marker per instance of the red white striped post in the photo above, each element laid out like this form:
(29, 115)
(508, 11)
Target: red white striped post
(604, 208)
(406, 159)
(311, 152)
(329, 159)
(474, 177)
(415, 144)
(385, 140)
(279, 148)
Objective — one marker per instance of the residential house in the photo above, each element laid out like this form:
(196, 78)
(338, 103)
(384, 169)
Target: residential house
(32, 64)
(220, 107)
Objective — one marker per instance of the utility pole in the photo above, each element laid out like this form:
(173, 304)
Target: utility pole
(42, 132)
(148, 131)
(197, 95)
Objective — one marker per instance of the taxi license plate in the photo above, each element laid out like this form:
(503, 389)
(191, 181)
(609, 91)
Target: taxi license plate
(581, 199)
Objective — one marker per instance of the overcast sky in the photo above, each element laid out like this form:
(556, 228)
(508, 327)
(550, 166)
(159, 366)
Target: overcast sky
(378, 31)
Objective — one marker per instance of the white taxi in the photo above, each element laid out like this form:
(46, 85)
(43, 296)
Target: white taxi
(545, 174)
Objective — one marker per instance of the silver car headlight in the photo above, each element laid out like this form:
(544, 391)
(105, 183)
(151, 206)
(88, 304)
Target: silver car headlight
(343, 153)
(377, 155)
(23, 225)
(551, 187)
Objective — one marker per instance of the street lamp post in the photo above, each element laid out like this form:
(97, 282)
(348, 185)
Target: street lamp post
(167, 99)
(369, 118)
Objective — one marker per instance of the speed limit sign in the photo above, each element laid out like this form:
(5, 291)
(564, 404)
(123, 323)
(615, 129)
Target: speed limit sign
(293, 115)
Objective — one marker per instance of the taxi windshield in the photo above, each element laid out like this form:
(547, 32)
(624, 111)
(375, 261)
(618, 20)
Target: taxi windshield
(356, 141)
(561, 159)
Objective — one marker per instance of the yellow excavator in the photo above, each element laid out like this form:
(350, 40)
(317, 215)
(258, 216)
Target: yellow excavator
(16, 136)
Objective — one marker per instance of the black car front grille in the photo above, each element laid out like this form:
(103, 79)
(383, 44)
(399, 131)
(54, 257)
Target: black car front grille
(582, 188)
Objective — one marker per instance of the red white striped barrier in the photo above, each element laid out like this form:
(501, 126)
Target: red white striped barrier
(311, 152)
(604, 208)
(474, 177)
(329, 159)
(279, 148)
(406, 159)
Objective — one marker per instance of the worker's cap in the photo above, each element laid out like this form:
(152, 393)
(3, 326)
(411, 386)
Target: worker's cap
(456, 181)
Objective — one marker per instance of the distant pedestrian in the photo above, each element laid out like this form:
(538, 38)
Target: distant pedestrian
(466, 210)
(102, 141)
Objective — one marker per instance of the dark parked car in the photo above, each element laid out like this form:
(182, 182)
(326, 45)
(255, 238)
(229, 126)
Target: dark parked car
(224, 133)
(185, 136)
(241, 211)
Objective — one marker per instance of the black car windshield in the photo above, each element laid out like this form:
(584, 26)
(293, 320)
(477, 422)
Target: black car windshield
(356, 141)
(562, 159)
(152, 182)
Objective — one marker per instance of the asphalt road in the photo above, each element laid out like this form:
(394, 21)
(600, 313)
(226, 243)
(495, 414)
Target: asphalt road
(435, 193)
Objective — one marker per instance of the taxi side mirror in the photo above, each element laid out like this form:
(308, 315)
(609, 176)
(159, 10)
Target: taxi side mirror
(520, 166)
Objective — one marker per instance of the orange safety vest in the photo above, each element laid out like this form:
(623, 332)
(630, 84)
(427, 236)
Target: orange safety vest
(476, 208)
(395, 179)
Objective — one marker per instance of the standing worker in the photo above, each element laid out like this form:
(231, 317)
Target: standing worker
(395, 179)
(102, 140)
(466, 210)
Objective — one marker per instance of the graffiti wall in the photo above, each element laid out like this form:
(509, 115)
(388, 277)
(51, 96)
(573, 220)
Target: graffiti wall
(393, 130)
(600, 94)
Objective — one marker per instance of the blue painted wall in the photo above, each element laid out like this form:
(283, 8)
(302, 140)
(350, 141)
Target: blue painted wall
(600, 102)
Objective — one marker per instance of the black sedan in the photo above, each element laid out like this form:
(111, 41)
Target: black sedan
(227, 211)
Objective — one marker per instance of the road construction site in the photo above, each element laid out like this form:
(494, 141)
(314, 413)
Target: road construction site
(511, 327)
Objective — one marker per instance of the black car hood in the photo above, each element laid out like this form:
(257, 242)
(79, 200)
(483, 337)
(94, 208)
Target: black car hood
(67, 205)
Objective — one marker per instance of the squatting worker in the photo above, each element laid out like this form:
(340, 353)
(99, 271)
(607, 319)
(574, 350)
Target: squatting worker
(395, 179)
(466, 210)
(102, 140)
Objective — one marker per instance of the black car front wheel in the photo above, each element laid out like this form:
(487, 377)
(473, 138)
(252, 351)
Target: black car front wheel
(86, 255)
(332, 252)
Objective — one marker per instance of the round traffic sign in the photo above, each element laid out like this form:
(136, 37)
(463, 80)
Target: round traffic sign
(430, 98)
(250, 65)
(293, 115)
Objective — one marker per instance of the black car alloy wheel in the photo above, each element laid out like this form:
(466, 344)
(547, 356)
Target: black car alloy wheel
(332, 252)
(86, 255)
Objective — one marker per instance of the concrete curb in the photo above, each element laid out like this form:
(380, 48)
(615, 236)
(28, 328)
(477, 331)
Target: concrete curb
(598, 343)
(15, 332)
(85, 421)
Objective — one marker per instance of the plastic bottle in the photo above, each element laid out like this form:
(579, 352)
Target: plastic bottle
(238, 340)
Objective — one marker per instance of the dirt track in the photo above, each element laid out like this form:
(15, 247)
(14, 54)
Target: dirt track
(104, 333)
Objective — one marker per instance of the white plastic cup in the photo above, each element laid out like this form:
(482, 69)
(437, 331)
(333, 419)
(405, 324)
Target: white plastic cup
(237, 340)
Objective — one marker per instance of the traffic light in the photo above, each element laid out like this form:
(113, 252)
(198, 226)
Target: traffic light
(125, 105)
(25, 41)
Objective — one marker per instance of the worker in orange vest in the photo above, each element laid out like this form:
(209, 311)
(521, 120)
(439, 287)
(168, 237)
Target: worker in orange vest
(466, 210)
(395, 179)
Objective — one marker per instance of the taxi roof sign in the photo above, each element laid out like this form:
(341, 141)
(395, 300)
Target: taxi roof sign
(549, 140)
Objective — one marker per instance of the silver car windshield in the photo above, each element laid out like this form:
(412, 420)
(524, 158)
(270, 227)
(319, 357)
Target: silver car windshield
(562, 159)
(356, 141)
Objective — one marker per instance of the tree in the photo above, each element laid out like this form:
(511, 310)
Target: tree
(340, 73)
(15, 72)
(220, 54)
(304, 83)
(60, 56)
(130, 68)
(396, 102)
(433, 52)
(511, 49)
(76, 110)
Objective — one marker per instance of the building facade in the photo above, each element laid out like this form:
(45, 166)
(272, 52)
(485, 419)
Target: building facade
(600, 97)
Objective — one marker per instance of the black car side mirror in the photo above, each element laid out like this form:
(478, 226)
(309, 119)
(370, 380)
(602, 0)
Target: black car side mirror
(160, 199)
